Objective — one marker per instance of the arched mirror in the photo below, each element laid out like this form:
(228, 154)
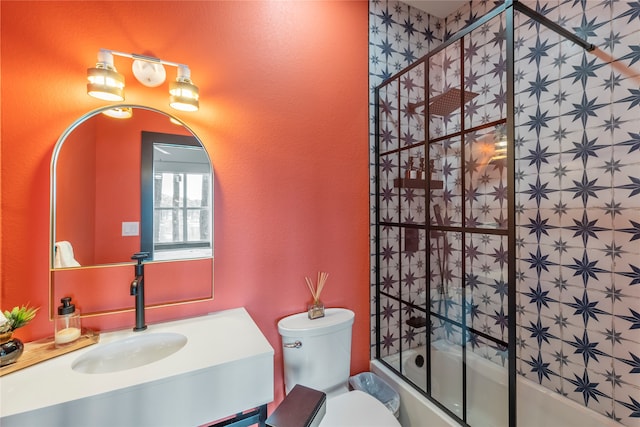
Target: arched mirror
(126, 185)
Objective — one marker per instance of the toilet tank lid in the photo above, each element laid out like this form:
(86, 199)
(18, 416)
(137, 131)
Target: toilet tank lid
(299, 325)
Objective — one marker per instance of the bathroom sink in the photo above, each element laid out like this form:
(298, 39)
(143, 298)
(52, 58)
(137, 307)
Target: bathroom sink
(225, 367)
(129, 353)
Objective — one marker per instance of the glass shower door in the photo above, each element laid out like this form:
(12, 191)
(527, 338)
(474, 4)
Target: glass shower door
(443, 227)
(468, 226)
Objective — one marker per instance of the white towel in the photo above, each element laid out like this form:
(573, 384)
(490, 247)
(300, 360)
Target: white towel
(64, 256)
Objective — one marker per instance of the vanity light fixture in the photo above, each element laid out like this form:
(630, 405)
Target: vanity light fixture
(184, 94)
(104, 82)
(501, 150)
(500, 144)
(119, 112)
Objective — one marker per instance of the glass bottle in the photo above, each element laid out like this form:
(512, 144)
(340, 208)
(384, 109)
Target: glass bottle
(316, 309)
(67, 323)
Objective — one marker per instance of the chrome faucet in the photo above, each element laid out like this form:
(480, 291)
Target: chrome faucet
(137, 289)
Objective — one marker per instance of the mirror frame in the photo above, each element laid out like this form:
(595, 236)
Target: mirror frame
(53, 209)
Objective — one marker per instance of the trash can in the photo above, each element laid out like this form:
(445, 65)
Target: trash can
(372, 384)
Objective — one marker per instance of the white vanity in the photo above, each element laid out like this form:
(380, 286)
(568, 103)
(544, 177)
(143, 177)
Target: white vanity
(225, 367)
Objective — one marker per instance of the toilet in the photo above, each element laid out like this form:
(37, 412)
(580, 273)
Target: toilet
(317, 354)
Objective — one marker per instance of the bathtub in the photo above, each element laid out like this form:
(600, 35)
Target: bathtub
(487, 384)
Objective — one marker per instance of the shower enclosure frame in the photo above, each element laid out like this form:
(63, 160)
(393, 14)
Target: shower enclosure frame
(508, 8)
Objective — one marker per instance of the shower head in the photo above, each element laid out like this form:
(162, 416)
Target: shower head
(445, 103)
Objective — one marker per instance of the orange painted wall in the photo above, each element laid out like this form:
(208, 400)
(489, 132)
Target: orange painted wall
(76, 194)
(283, 113)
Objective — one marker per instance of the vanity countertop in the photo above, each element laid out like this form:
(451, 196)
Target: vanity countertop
(223, 347)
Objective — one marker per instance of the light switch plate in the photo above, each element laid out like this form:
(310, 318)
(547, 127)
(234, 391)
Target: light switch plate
(130, 228)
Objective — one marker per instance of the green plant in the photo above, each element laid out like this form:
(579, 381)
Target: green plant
(17, 318)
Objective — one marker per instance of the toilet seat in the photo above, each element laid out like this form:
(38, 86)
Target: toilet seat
(357, 409)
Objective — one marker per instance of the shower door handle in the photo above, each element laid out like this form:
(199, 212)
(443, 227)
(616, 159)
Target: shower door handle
(296, 344)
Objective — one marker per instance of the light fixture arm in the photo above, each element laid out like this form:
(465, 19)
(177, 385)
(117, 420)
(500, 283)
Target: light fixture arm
(147, 58)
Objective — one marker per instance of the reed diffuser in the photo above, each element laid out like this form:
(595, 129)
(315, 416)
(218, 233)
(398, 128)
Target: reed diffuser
(316, 309)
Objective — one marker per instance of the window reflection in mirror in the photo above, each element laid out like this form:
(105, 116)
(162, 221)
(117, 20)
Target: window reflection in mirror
(176, 197)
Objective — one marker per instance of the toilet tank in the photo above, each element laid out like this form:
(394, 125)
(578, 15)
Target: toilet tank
(317, 353)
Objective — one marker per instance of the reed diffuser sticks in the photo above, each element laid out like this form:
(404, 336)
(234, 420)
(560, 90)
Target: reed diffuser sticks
(317, 308)
(315, 291)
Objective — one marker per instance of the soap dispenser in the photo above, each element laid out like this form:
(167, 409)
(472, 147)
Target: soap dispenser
(67, 323)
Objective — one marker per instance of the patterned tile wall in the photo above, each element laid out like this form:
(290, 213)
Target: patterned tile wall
(578, 186)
